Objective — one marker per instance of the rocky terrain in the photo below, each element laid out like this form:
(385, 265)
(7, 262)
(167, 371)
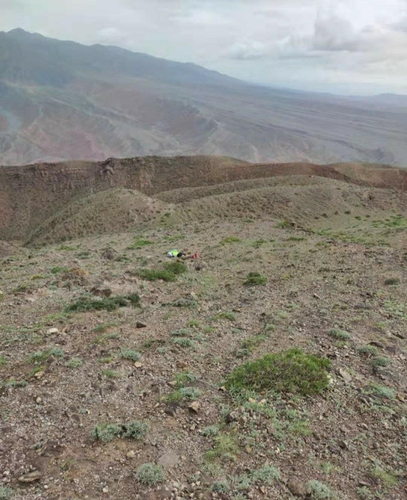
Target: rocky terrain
(118, 365)
(65, 101)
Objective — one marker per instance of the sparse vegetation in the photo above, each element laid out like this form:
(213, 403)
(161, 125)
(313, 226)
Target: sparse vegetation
(290, 371)
(132, 430)
(382, 391)
(230, 239)
(253, 279)
(150, 474)
(129, 354)
(338, 334)
(85, 304)
(74, 363)
(368, 349)
(168, 273)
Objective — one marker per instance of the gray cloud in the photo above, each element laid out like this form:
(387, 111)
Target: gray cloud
(314, 44)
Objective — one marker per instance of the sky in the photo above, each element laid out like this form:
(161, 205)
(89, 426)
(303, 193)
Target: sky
(341, 46)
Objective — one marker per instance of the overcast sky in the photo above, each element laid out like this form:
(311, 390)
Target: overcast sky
(345, 46)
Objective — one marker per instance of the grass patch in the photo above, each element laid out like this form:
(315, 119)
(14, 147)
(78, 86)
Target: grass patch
(380, 361)
(40, 357)
(338, 334)
(320, 491)
(3, 361)
(230, 239)
(290, 371)
(168, 273)
(226, 315)
(254, 279)
(369, 350)
(183, 342)
(382, 391)
(392, 281)
(129, 354)
(84, 304)
(182, 394)
(132, 430)
(225, 448)
(140, 244)
(150, 474)
(74, 363)
(387, 478)
(58, 270)
(110, 374)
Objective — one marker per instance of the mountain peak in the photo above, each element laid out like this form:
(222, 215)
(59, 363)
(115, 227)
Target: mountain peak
(18, 31)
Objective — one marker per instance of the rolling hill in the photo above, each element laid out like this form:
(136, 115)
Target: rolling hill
(65, 101)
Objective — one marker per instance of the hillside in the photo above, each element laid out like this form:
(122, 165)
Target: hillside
(121, 370)
(65, 101)
(50, 194)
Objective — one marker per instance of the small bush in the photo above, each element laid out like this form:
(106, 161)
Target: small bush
(368, 349)
(74, 363)
(39, 357)
(254, 279)
(150, 474)
(5, 493)
(184, 393)
(392, 281)
(382, 391)
(135, 430)
(3, 361)
(176, 268)
(107, 432)
(290, 371)
(84, 304)
(221, 486)
(156, 275)
(339, 334)
(110, 373)
(266, 475)
(58, 269)
(183, 342)
(132, 430)
(210, 431)
(226, 315)
(130, 355)
(380, 361)
(141, 243)
(320, 491)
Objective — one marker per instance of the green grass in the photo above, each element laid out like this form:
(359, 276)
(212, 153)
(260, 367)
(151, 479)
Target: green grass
(129, 354)
(110, 374)
(132, 430)
(168, 273)
(182, 394)
(230, 239)
(291, 371)
(74, 363)
(140, 244)
(183, 342)
(6, 493)
(253, 279)
(320, 491)
(369, 350)
(225, 448)
(3, 361)
(392, 281)
(226, 315)
(39, 357)
(380, 361)
(150, 474)
(382, 391)
(387, 478)
(338, 334)
(58, 270)
(84, 304)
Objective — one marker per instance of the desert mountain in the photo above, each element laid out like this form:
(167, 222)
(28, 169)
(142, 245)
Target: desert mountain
(64, 101)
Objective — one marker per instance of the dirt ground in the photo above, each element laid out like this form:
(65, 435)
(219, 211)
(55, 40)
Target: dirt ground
(63, 373)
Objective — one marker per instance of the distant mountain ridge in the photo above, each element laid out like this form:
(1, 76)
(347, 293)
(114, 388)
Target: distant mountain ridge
(61, 100)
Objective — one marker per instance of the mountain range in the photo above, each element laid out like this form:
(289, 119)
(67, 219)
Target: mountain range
(62, 101)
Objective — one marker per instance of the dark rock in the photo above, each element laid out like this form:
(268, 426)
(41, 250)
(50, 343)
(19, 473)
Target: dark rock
(140, 325)
(298, 488)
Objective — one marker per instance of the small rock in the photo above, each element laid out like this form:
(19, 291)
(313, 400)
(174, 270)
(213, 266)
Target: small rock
(194, 407)
(345, 375)
(39, 375)
(52, 331)
(140, 325)
(137, 364)
(169, 460)
(131, 454)
(298, 488)
(38, 400)
(31, 477)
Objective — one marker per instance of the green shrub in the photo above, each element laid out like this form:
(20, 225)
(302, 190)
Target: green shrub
(183, 342)
(382, 391)
(320, 491)
(74, 363)
(107, 432)
(130, 355)
(221, 486)
(141, 243)
(58, 269)
(380, 361)
(392, 281)
(39, 357)
(176, 268)
(253, 279)
(184, 393)
(368, 349)
(339, 334)
(210, 431)
(150, 474)
(84, 304)
(267, 474)
(3, 361)
(5, 493)
(132, 430)
(156, 275)
(135, 430)
(290, 371)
